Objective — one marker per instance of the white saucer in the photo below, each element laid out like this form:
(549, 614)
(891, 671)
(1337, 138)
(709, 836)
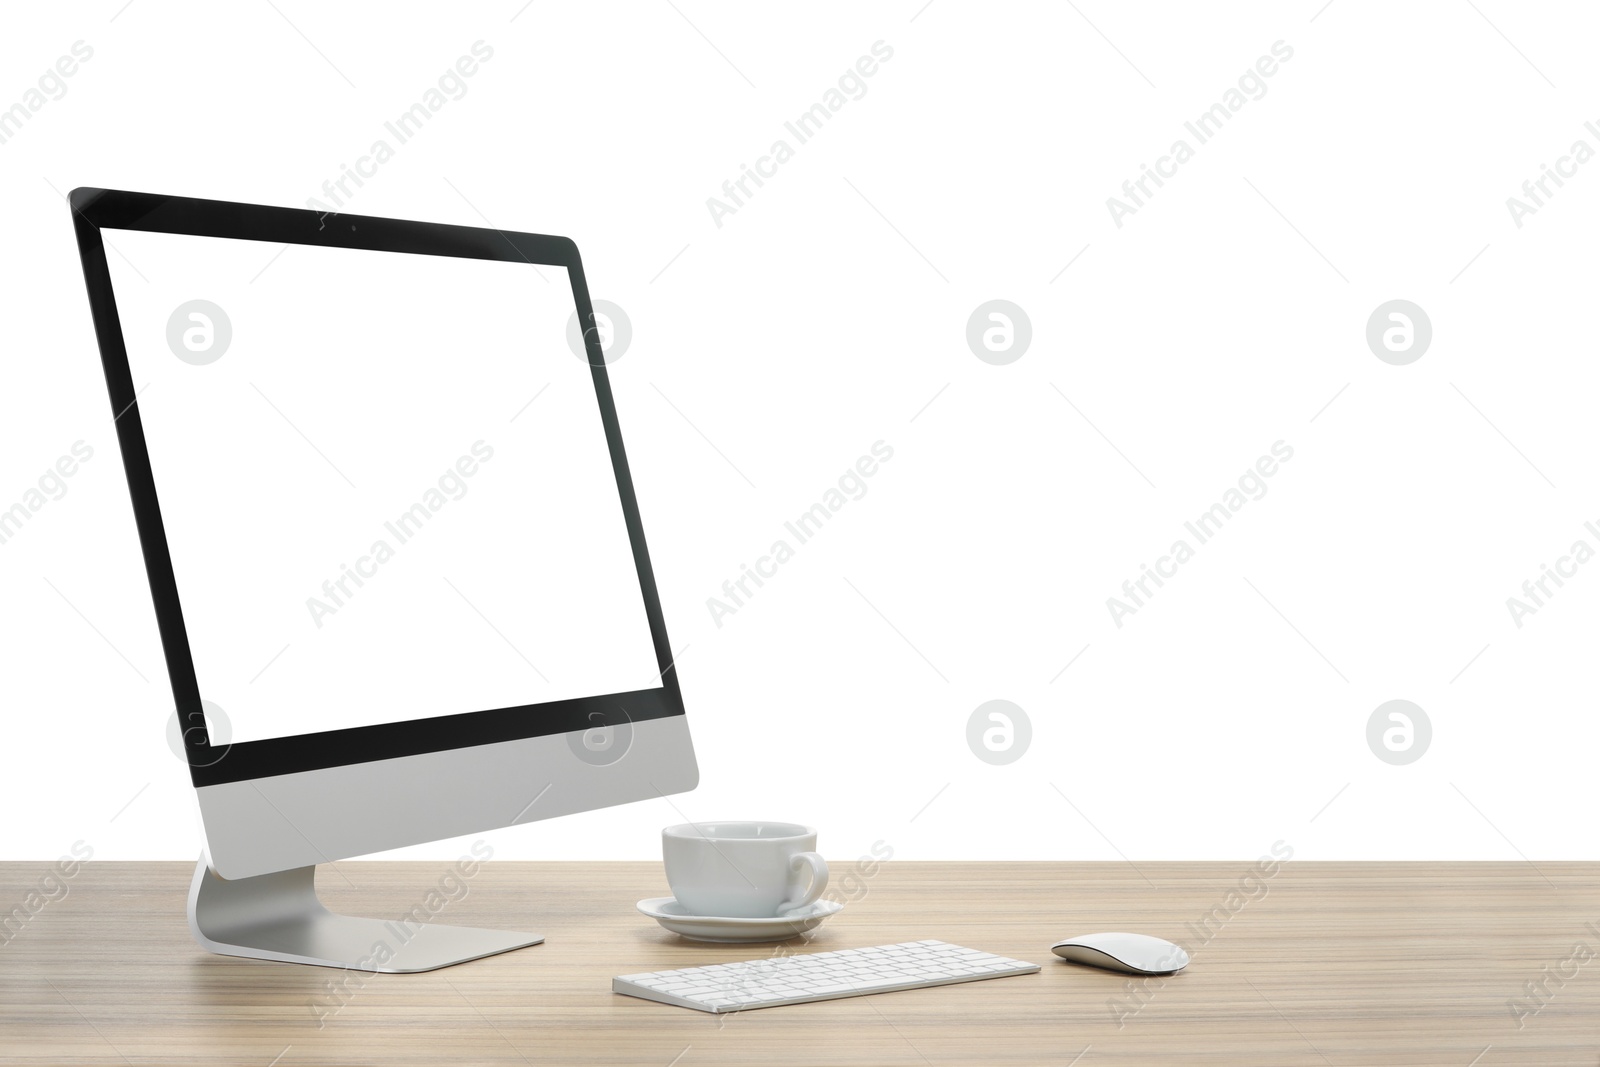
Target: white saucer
(673, 916)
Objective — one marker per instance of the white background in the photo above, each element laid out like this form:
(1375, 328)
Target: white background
(829, 312)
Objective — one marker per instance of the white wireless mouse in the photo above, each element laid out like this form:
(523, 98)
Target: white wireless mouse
(1128, 953)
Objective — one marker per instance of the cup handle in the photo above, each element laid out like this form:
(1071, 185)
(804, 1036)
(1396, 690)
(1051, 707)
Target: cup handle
(819, 880)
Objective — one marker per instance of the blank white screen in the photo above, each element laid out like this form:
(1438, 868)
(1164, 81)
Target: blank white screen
(359, 387)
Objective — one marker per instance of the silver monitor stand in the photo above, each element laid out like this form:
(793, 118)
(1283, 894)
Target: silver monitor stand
(278, 917)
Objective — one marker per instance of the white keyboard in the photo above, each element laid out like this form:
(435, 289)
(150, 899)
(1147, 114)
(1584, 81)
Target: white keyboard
(850, 972)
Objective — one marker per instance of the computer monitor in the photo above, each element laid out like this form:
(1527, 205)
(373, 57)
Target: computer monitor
(392, 541)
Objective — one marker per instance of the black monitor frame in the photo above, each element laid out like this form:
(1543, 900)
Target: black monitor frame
(97, 209)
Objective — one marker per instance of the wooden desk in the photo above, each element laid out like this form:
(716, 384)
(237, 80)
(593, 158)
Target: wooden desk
(1332, 964)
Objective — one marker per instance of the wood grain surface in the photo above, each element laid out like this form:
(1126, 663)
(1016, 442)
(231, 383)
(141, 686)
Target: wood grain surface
(1461, 964)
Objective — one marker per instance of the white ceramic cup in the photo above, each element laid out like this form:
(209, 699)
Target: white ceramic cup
(743, 870)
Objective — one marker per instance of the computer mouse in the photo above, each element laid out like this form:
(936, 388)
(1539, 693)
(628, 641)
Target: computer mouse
(1128, 953)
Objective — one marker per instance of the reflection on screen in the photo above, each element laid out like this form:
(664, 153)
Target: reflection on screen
(384, 481)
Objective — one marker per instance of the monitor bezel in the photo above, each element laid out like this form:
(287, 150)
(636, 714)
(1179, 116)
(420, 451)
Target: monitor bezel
(96, 209)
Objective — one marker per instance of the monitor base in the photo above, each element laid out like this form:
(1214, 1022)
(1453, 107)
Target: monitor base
(278, 917)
